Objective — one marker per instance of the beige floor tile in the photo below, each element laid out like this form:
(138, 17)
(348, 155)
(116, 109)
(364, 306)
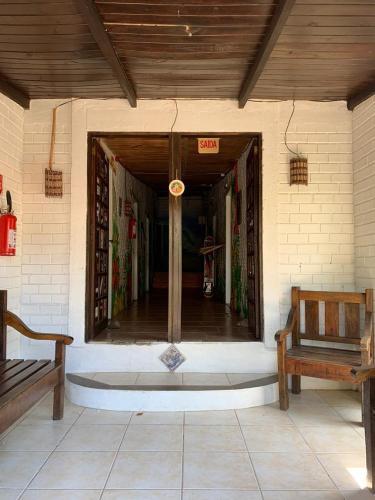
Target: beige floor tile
(224, 417)
(6, 494)
(18, 468)
(93, 438)
(221, 495)
(267, 415)
(74, 470)
(340, 398)
(146, 470)
(240, 378)
(290, 471)
(42, 413)
(116, 378)
(302, 495)
(61, 495)
(358, 495)
(34, 438)
(153, 438)
(313, 415)
(205, 379)
(351, 414)
(159, 379)
(347, 470)
(306, 396)
(221, 471)
(334, 439)
(141, 495)
(156, 417)
(104, 417)
(213, 438)
(266, 438)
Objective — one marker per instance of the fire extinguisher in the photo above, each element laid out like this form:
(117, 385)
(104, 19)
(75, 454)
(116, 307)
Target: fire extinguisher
(8, 229)
(132, 228)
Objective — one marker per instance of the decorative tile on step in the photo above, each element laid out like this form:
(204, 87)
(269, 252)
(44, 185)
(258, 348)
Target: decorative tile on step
(172, 358)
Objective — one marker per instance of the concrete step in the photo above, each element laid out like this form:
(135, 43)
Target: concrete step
(150, 391)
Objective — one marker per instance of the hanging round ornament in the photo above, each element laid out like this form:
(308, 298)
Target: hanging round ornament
(176, 187)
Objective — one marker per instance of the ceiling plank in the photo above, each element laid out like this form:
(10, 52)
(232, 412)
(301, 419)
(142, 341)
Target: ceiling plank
(92, 17)
(360, 96)
(14, 93)
(278, 20)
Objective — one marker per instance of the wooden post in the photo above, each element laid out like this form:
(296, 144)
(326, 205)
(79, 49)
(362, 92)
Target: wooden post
(3, 326)
(283, 376)
(175, 244)
(369, 423)
(296, 379)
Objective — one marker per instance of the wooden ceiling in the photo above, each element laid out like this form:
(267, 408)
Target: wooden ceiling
(245, 49)
(147, 158)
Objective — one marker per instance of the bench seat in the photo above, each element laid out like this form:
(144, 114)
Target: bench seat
(322, 362)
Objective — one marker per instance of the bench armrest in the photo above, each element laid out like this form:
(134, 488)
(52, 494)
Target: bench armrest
(281, 335)
(362, 373)
(15, 322)
(366, 346)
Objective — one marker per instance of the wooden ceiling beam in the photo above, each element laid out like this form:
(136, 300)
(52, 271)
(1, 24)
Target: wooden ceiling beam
(92, 16)
(360, 96)
(279, 18)
(14, 93)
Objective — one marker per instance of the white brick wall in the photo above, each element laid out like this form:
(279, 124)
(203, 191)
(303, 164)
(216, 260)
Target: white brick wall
(315, 222)
(45, 259)
(364, 192)
(11, 134)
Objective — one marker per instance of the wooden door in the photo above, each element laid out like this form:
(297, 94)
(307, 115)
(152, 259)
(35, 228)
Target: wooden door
(97, 241)
(254, 239)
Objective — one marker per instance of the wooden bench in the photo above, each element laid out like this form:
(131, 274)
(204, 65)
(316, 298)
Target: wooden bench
(334, 317)
(24, 382)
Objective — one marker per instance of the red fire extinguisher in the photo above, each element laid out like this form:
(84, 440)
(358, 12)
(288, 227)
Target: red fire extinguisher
(132, 228)
(8, 228)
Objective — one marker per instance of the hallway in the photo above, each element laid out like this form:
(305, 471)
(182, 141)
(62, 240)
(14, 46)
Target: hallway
(202, 320)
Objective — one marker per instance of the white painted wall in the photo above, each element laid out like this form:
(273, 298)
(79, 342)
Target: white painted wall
(364, 192)
(11, 136)
(321, 226)
(46, 228)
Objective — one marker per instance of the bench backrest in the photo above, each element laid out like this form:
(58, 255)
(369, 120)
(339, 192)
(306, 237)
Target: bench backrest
(330, 316)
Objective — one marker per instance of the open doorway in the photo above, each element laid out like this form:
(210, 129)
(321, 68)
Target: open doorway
(221, 237)
(129, 248)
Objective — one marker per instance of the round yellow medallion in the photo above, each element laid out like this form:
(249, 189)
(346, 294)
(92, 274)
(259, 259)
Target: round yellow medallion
(176, 187)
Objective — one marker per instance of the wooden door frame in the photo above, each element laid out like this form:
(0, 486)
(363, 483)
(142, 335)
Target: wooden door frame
(175, 282)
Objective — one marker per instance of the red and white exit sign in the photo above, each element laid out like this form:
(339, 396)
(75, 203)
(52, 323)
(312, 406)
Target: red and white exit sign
(208, 144)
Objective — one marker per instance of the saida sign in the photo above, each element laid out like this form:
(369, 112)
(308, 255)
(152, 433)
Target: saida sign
(207, 145)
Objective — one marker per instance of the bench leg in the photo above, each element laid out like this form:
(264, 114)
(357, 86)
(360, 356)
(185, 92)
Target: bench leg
(283, 391)
(369, 423)
(296, 384)
(59, 390)
(58, 402)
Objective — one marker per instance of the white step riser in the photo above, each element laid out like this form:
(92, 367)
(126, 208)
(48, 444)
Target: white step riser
(141, 400)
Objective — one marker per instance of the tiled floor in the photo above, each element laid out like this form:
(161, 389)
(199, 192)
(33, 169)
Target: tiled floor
(315, 451)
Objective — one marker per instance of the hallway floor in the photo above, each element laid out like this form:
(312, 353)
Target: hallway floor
(203, 319)
(315, 451)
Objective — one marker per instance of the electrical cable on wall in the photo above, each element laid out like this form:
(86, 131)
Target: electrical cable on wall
(286, 131)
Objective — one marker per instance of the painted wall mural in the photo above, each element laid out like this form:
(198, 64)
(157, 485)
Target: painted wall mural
(235, 182)
(126, 190)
